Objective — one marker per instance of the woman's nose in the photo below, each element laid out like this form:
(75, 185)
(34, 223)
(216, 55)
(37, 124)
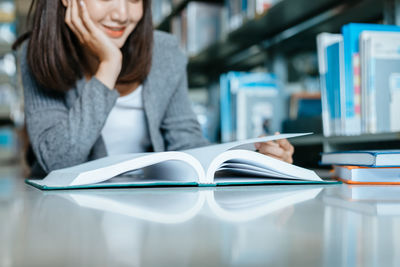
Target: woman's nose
(120, 11)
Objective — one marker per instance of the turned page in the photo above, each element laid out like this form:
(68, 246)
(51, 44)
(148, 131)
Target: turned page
(206, 155)
(244, 166)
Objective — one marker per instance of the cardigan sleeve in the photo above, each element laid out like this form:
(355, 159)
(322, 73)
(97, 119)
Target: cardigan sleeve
(61, 136)
(180, 127)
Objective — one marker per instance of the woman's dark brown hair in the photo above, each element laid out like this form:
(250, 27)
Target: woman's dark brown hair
(56, 58)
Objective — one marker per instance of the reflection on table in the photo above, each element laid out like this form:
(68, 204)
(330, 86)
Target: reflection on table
(307, 225)
(362, 226)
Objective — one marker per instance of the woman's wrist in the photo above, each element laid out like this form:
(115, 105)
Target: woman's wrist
(108, 73)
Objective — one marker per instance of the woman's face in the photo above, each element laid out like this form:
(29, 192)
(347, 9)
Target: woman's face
(116, 18)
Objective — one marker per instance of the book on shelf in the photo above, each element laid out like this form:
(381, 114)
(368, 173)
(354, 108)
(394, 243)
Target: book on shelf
(351, 65)
(239, 11)
(335, 85)
(171, 206)
(327, 99)
(371, 158)
(351, 34)
(199, 25)
(233, 163)
(160, 10)
(367, 175)
(380, 80)
(250, 105)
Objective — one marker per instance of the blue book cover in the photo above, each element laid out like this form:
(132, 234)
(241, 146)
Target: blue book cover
(230, 84)
(333, 85)
(351, 33)
(370, 158)
(225, 110)
(323, 41)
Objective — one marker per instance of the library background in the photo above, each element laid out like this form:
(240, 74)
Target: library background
(331, 67)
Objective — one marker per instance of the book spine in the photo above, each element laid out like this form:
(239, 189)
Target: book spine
(327, 94)
(352, 126)
(333, 86)
(225, 109)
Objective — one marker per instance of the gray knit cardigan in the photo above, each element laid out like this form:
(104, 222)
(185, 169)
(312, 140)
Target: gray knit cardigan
(64, 129)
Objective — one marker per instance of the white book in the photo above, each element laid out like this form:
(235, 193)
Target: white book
(255, 107)
(222, 164)
(380, 54)
(323, 41)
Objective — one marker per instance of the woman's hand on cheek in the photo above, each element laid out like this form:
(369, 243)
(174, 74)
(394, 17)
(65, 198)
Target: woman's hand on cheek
(109, 55)
(280, 149)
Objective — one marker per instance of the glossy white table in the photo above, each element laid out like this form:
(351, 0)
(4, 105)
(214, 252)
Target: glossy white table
(306, 225)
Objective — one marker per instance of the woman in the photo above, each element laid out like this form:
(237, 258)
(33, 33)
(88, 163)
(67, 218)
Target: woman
(99, 81)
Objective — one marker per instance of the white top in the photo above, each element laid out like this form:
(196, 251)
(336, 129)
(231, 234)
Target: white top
(125, 130)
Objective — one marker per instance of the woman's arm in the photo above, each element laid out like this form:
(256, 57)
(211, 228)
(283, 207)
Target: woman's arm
(61, 136)
(180, 127)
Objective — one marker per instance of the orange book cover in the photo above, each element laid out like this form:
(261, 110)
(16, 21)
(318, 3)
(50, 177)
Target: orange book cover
(360, 175)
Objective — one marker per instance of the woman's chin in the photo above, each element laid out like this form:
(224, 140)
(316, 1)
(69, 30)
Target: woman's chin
(118, 42)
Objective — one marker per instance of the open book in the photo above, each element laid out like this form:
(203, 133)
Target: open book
(222, 164)
(172, 206)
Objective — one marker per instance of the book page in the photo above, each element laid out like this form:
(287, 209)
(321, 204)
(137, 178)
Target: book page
(258, 162)
(207, 154)
(168, 166)
(250, 170)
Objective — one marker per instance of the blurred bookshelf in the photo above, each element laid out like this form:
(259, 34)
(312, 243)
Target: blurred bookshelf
(176, 8)
(335, 143)
(11, 114)
(287, 26)
(269, 40)
(285, 30)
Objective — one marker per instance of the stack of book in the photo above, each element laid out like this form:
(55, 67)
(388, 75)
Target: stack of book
(365, 166)
(359, 79)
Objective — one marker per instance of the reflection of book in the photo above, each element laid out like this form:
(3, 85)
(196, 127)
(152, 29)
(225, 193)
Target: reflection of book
(375, 175)
(373, 158)
(223, 164)
(379, 205)
(173, 206)
(371, 192)
(370, 208)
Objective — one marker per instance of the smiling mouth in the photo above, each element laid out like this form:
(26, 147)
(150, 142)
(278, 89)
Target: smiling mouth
(114, 32)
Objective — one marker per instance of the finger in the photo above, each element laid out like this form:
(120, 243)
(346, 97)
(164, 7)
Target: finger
(86, 20)
(77, 21)
(68, 21)
(258, 145)
(67, 18)
(271, 149)
(285, 144)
